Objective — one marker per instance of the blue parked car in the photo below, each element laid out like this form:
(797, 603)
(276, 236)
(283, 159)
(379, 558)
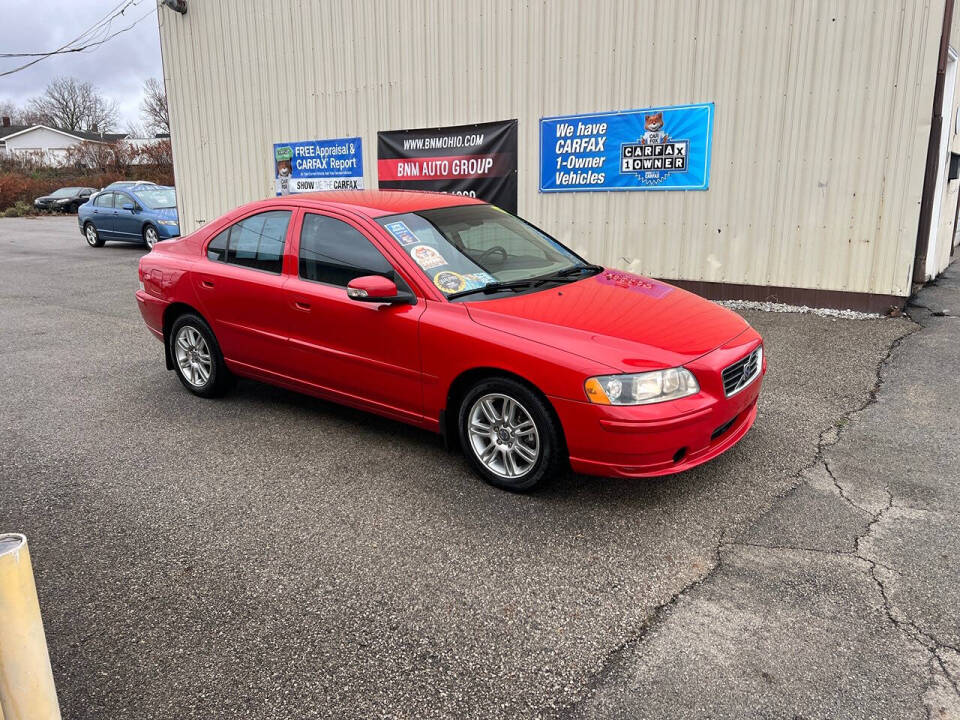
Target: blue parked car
(138, 214)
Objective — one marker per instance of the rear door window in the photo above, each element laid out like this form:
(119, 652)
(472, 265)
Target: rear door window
(255, 242)
(104, 200)
(217, 249)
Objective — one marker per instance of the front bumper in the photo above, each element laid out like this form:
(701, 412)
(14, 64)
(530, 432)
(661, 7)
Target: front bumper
(165, 232)
(663, 438)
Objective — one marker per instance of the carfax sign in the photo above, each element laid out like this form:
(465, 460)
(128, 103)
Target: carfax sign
(318, 165)
(666, 148)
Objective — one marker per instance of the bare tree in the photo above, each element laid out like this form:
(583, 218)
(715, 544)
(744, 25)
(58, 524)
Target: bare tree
(92, 155)
(71, 104)
(136, 130)
(10, 109)
(156, 116)
(18, 114)
(158, 154)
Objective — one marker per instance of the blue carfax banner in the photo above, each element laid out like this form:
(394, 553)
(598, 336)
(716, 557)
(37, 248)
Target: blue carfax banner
(318, 165)
(666, 148)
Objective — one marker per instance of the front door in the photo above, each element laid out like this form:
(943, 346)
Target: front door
(126, 223)
(365, 353)
(241, 291)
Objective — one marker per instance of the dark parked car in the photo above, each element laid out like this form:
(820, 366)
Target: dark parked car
(66, 199)
(144, 213)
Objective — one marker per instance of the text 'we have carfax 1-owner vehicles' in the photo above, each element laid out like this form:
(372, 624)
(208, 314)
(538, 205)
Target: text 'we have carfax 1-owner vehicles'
(453, 315)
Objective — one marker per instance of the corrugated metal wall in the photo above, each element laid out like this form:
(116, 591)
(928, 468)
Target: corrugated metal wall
(822, 115)
(951, 195)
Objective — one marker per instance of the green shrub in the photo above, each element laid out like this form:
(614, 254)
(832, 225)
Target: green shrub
(19, 209)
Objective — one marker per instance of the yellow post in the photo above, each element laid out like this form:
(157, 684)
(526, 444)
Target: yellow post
(26, 680)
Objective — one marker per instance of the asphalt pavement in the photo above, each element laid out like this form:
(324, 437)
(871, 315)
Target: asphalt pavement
(271, 555)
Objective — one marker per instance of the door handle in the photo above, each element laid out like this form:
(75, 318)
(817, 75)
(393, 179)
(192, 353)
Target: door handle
(300, 305)
(206, 283)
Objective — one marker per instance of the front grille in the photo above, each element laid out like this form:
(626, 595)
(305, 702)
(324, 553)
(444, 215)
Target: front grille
(737, 376)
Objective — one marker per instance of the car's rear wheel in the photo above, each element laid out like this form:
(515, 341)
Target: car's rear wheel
(150, 236)
(92, 236)
(196, 355)
(509, 435)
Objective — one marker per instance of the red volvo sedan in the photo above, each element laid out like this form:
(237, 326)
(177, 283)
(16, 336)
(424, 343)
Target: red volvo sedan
(453, 315)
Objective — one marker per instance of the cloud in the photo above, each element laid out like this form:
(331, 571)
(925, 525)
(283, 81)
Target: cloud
(117, 68)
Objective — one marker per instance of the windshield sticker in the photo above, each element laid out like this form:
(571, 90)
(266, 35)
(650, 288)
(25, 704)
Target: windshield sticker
(427, 257)
(401, 232)
(479, 279)
(629, 281)
(449, 281)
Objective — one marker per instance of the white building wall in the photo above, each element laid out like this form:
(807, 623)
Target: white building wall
(822, 115)
(42, 143)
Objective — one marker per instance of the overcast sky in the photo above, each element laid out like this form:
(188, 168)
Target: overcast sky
(118, 67)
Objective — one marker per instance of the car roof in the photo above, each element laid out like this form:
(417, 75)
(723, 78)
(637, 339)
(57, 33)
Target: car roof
(377, 203)
(129, 183)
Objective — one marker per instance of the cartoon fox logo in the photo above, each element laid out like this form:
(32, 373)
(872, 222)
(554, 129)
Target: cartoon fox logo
(653, 125)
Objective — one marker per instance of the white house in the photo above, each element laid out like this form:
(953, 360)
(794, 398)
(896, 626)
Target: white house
(48, 145)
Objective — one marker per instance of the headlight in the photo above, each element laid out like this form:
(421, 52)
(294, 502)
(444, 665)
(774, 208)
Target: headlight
(171, 223)
(641, 388)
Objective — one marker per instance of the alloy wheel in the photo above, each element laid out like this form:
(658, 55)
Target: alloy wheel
(91, 233)
(150, 236)
(193, 356)
(503, 435)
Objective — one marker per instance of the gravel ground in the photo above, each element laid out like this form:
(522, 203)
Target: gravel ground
(270, 555)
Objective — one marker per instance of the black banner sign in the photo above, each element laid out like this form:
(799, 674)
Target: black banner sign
(475, 160)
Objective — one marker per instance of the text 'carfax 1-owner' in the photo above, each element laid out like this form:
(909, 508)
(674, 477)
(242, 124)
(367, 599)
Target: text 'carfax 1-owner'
(318, 165)
(665, 148)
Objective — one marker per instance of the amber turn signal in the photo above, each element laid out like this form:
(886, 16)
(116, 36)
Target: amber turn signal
(595, 392)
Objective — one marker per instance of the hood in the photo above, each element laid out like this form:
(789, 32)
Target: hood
(628, 322)
(165, 214)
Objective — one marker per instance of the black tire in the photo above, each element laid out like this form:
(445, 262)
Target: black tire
(92, 235)
(551, 460)
(218, 379)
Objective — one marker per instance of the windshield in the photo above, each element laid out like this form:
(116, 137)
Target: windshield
(469, 248)
(65, 192)
(156, 198)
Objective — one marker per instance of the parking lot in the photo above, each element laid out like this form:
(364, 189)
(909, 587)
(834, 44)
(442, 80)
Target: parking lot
(271, 555)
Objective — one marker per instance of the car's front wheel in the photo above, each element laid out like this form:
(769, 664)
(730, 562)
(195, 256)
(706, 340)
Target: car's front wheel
(150, 236)
(509, 435)
(92, 236)
(197, 358)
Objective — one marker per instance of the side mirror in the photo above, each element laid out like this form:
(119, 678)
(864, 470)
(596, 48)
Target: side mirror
(376, 289)
(130, 206)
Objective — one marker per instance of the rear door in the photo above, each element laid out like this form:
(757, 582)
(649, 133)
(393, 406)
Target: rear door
(102, 215)
(240, 288)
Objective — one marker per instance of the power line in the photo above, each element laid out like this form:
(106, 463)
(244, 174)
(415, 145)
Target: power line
(98, 29)
(119, 8)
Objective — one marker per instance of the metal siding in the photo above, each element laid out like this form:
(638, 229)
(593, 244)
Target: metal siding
(820, 134)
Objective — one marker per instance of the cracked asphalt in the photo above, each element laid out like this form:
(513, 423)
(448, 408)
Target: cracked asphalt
(843, 598)
(274, 556)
